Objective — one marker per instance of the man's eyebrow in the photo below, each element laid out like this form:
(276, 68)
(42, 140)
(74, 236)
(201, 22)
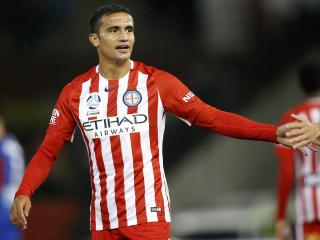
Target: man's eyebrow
(115, 26)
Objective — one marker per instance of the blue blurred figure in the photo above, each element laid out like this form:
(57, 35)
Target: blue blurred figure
(11, 171)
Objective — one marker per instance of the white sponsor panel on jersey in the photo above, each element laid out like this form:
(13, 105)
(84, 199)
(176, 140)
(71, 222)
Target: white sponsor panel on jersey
(117, 125)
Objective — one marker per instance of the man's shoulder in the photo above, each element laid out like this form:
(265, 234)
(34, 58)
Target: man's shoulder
(150, 70)
(78, 80)
(83, 77)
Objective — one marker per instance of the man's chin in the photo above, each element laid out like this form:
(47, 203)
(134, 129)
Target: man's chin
(120, 61)
(123, 58)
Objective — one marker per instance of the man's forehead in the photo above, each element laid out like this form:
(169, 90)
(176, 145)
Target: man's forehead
(117, 19)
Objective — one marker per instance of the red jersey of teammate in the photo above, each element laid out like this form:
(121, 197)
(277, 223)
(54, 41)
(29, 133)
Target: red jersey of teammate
(122, 122)
(305, 168)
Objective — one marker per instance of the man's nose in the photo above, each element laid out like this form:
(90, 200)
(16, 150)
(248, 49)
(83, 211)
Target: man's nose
(123, 36)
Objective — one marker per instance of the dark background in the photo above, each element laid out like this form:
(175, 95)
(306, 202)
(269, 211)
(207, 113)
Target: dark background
(228, 52)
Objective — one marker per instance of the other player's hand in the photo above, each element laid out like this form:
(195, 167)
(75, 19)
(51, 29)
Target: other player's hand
(20, 211)
(283, 231)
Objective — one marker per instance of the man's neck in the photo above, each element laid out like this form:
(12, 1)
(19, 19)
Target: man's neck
(114, 70)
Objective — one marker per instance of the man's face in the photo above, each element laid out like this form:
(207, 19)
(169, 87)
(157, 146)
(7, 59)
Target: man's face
(115, 38)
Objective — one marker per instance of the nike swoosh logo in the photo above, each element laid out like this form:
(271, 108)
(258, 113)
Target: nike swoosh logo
(109, 89)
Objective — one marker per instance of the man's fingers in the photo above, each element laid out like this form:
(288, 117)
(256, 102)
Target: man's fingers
(16, 220)
(27, 209)
(292, 125)
(298, 139)
(300, 144)
(284, 141)
(294, 132)
(20, 213)
(299, 118)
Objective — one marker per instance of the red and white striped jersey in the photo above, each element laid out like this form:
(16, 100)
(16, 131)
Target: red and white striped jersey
(122, 122)
(306, 170)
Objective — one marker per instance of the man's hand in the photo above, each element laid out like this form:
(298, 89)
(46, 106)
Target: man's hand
(302, 132)
(20, 211)
(283, 231)
(299, 134)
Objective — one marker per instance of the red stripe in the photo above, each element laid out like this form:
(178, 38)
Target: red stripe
(153, 134)
(135, 138)
(94, 87)
(117, 157)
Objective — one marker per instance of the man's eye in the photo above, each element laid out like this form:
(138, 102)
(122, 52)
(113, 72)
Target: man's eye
(112, 30)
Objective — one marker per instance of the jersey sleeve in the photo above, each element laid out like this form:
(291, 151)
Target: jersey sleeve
(183, 103)
(62, 122)
(285, 174)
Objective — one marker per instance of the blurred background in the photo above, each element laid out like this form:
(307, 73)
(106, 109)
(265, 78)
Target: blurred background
(237, 55)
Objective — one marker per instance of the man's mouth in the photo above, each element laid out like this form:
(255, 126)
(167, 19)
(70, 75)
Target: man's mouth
(122, 47)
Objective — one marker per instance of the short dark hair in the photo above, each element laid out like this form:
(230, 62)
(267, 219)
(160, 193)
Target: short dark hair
(105, 10)
(309, 77)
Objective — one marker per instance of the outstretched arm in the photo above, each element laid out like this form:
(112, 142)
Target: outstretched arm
(179, 100)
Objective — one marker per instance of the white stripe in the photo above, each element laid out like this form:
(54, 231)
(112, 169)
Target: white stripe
(110, 172)
(128, 169)
(307, 191)
(164, 189)
(315, 115)
(107, 158)
(95, 170)
(146, 152)
(315, 118)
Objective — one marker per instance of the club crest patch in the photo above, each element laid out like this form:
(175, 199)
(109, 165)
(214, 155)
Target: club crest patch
(132, 98)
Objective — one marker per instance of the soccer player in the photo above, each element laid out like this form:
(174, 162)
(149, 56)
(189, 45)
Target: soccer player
(11, 172)
(120, 107)
(304, 168)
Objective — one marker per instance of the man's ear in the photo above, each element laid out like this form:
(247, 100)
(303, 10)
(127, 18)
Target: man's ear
(94, 39)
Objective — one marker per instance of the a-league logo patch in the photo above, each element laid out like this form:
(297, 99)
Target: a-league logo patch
(132, 98)
(93, 101)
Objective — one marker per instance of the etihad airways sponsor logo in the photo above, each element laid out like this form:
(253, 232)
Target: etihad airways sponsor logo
(117, 125)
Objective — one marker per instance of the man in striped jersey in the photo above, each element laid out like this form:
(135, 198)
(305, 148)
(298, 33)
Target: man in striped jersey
(120, 107)
(305, 168)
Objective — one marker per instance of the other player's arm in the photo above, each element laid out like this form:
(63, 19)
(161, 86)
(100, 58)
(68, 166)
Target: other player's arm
(284, 188)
